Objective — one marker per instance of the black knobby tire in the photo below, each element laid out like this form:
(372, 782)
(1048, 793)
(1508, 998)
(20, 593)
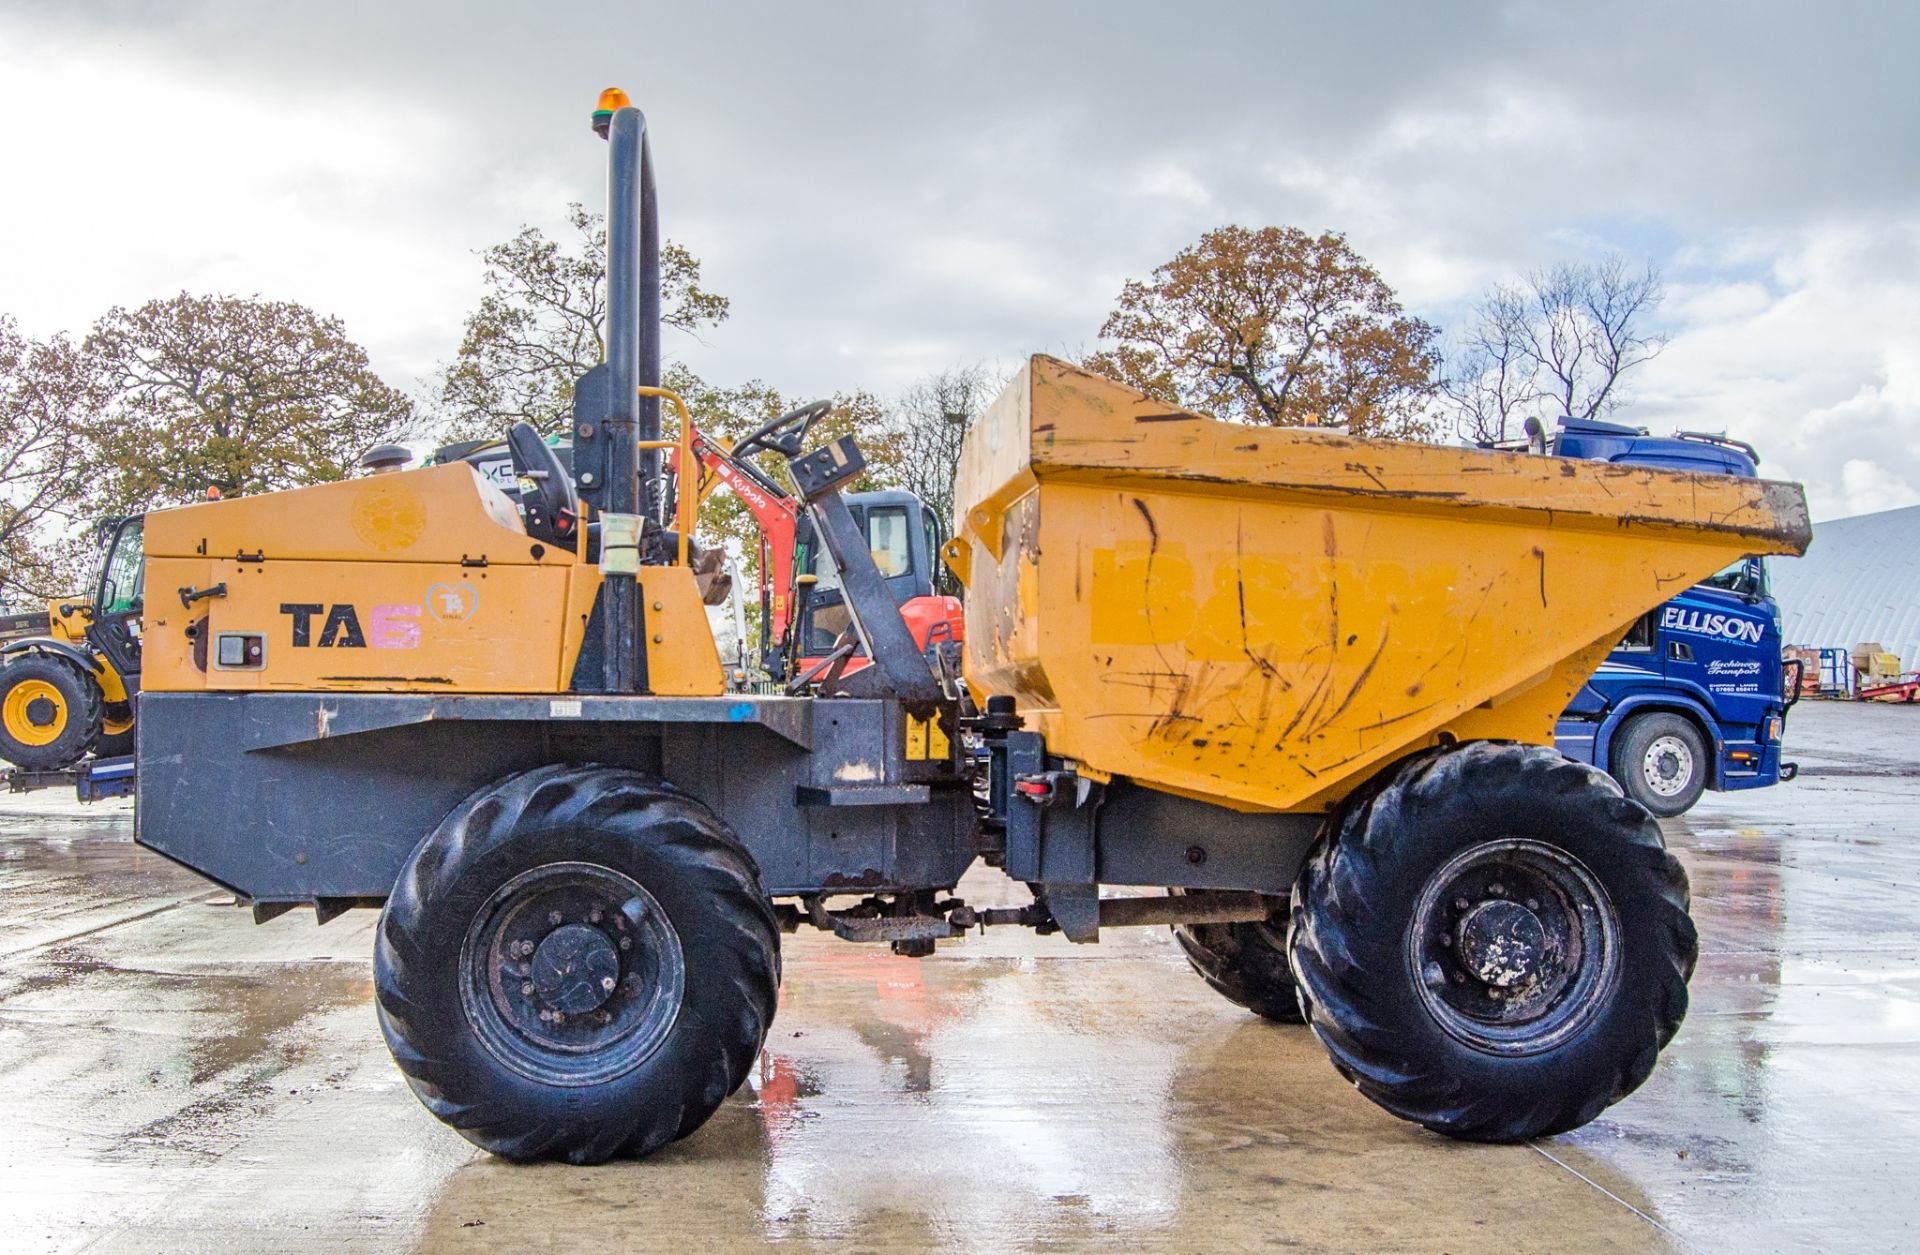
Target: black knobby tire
(111, 744)
(694, 997)
(1414, 872)
(1660, 759)
(59, 697)
(1247, 964)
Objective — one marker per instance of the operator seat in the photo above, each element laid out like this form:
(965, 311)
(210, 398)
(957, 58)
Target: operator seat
(552, 508)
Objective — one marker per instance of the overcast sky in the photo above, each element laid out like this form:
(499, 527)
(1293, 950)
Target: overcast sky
(886, 189)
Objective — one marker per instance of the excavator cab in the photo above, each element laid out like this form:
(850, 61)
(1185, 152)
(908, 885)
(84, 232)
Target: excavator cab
(905, 538)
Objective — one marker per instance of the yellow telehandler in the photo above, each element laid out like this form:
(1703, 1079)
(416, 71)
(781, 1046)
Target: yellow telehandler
(68, 678)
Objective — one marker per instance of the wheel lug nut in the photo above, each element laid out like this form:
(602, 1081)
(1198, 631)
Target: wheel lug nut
(626, 943)
(1459, 979)
(553, 917)
(1533, 904)
(1446, 939)
(1461, 904)
(559, 1017)
(526, 989)
(606, 984)
(1497, 890)
(602, 1017)
(596, 916)
(545, 1016)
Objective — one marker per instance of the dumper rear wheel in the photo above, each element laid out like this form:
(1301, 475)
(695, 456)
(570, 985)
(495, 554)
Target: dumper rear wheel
(1247, 964)
(576, 963)
(1495, 944)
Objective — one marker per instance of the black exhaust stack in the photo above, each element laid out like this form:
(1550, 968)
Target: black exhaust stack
(610, 418)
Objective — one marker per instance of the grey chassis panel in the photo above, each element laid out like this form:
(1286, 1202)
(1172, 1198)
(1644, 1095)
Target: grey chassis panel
(1124, 834)
(247, 789)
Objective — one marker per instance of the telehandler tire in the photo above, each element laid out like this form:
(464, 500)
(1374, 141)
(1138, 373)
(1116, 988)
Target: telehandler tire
(49, 713)
(1495, 944)
(1246, 964)
(1662, 761)
(577, 963)
(116, 731)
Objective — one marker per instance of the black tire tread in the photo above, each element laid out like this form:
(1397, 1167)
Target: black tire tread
(718, 872)
(1242, 966)
(1343, 966)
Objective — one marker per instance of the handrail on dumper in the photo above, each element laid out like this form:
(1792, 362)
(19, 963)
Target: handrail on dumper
(684, 506)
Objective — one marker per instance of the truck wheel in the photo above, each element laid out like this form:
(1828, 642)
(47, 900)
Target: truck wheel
(577, 963)
(1247, 964)
(1660, 759)
(49, 713)
(1495, 945)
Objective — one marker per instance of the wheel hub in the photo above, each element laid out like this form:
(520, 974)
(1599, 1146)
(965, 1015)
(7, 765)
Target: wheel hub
(576, 969)
(34, 711)
(1514, 946)
(1501, 942)
(1668, 764)
(573, 973)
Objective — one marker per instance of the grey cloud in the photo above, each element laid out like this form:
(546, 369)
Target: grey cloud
(888, 188)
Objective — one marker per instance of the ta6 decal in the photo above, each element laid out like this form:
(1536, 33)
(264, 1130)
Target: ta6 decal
(386, 626)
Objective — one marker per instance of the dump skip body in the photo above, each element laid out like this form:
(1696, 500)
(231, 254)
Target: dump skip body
(1265, 617)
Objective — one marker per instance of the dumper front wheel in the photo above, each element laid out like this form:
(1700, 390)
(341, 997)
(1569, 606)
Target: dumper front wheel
(1495, 944)
(576, 963)
(1245, 963)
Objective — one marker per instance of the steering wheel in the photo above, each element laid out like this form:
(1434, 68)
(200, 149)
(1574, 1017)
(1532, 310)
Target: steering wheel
(553, 514)
(784, 435)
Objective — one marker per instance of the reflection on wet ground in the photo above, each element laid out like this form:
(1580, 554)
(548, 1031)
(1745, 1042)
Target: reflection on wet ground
(173, 1078)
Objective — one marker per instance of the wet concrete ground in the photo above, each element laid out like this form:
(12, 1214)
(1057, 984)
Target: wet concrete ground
(173, 1078)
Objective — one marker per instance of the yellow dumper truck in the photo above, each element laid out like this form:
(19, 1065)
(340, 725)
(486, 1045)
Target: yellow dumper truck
(1300, 685)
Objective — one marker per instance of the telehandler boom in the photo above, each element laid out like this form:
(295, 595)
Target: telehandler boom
(1307, 682)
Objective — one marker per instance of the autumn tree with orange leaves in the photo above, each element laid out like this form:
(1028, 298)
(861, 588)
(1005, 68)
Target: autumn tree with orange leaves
(1275, 327)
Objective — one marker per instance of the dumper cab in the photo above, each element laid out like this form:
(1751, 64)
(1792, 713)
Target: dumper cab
(906, 540)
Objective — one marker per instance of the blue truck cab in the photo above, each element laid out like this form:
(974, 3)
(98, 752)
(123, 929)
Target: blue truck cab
(1693, 698)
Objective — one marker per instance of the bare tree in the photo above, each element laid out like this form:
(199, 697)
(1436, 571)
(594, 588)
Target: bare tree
(932, 417)
(1557, 345)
